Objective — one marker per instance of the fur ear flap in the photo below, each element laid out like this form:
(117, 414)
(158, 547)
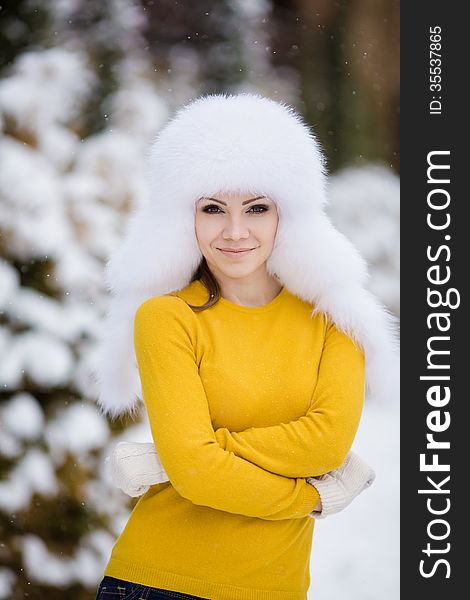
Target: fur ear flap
(159, 253)
(318, 264)
(117, 374)
(314, 259)
(359, 314)
(153, 245)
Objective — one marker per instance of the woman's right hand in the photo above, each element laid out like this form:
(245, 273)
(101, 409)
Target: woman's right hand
(133, 467)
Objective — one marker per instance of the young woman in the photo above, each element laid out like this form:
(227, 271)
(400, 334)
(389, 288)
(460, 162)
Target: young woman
(252, 335)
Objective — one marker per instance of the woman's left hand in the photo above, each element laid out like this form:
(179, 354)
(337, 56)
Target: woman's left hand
(338, 488)
(133, 467)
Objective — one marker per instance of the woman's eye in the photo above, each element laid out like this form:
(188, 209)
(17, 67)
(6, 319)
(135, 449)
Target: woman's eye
(207, 209)
(263, 208)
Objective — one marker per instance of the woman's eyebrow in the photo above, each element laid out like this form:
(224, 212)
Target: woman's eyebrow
(225, 204)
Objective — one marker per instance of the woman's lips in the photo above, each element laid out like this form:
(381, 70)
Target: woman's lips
(235, 253)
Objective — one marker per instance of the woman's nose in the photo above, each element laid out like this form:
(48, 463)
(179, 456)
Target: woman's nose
(235, 229)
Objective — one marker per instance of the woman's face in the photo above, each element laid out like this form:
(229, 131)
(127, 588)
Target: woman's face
(236, 232)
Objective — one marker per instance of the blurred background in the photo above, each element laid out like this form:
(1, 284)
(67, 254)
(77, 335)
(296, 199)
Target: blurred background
(85, 86)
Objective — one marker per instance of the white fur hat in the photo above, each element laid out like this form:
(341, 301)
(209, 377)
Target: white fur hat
(244, 143)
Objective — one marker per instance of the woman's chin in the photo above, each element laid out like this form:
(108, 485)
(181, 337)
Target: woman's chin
(237, 271)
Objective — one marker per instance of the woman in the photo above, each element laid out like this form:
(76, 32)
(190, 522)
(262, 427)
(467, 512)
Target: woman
(250, 328)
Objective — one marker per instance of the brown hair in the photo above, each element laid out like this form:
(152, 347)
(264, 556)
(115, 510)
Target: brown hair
(206, 277)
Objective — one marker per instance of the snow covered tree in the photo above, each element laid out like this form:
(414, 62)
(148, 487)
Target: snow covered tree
(66, 186)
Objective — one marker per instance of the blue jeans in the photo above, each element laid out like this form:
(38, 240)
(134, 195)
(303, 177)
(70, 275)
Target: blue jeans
(111, 588)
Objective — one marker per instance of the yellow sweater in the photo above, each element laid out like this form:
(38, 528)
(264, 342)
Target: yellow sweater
(244, 403)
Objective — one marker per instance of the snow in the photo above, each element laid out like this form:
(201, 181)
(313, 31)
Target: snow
(134, 108)
(43, 358)
(23, 417)
(9, 282)
(34, 473)
(96, 223)
(78, 272)
(7, 579)
(31, 203)
(11, 366)
(4, 340)
(68, 320)
(84, 377)
(77, 429)
(43, 566)
(365, 205)
(10, 446)
(355, 554)
(84, 566)
(48, 88)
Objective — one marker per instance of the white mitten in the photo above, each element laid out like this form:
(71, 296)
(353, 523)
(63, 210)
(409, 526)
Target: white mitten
(338, 488)
(133, 467)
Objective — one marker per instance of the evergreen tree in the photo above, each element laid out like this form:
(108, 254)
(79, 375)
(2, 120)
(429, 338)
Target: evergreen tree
(66, 184)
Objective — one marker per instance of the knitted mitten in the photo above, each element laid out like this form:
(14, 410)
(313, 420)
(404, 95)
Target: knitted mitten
(134, 467)
(338, 488)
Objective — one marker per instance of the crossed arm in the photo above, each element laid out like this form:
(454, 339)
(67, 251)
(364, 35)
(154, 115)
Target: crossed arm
(319, 441)
(189, 449)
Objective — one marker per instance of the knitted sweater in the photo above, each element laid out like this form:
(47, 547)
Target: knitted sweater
(244, 404)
